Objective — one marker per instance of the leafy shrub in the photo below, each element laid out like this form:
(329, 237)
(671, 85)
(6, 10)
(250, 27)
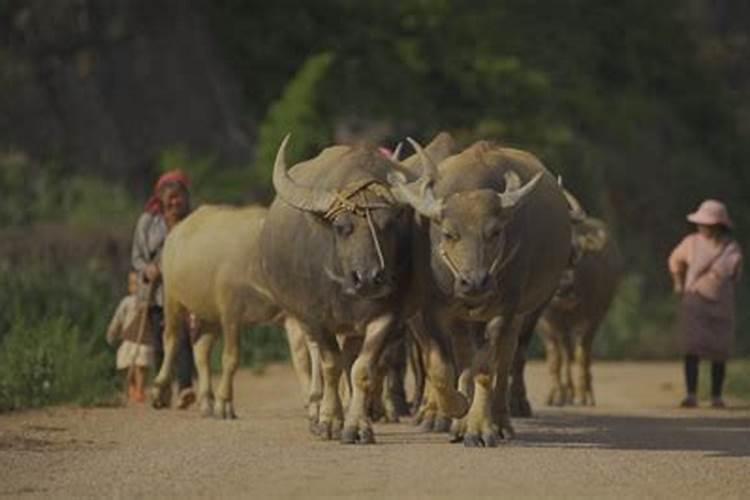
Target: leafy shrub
(636, 327)
(50, 361)
(297, 111)
(738, 378)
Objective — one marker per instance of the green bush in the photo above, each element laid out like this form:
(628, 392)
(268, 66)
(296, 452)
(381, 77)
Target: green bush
(297, 111)
(51, 361)
(738, 378)
(637, 327)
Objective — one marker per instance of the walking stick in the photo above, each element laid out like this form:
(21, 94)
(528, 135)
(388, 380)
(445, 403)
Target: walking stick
(141, 327)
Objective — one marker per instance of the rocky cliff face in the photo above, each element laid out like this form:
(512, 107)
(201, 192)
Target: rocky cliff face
(108, 85)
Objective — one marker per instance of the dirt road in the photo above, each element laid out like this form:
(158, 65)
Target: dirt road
(634, 444)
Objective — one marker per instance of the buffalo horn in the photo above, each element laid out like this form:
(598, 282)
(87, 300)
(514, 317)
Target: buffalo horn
(511, 197)
(301, 197)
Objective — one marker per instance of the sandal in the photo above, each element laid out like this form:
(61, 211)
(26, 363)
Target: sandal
(718, 403)
(690, 401)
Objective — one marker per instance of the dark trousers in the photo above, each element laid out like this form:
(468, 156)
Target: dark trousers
(184, 356)
(718, 370)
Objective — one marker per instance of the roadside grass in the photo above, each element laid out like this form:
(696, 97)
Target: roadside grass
(738, 378)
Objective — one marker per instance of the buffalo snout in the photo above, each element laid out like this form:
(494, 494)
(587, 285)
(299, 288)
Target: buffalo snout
(474, 284)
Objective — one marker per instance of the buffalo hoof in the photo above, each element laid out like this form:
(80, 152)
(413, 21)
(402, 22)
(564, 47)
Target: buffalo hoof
(312, 426)
(485, 440)
(207, 406)
(427, 422)
(354, 435)
(442, 425)
(224, 410)
(161, 397)
(328, 431)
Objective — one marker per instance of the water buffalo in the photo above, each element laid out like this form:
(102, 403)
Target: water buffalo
(335, 253)
(492, 243)
(211, 267)
(572, 318)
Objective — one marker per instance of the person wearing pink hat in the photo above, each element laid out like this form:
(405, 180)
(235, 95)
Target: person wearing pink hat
(705, 268)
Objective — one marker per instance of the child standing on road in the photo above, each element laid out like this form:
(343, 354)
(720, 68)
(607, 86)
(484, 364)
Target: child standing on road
(135, 355)
(705, 268)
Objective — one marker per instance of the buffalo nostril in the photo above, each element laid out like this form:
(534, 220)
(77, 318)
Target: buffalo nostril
(483, 281)
(378, 276)
(357, 279)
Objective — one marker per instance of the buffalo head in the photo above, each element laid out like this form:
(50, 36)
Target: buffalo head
(469, 241)
(365, 223)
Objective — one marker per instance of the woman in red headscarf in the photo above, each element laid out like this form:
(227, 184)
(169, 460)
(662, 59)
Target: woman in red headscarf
(705, 268)
(169, 204)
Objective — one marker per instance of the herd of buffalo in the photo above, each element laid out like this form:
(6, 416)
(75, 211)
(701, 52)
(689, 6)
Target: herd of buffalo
(447, 260)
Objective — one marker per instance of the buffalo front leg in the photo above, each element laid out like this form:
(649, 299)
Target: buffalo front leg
(519, 401)
(505, 340)
(489, 415)
(357, 426)
(330, 417)
(174, 316)
(202, 349)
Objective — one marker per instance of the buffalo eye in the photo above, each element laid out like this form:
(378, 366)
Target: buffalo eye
(450, 235)
(493, 233)
(343, 228)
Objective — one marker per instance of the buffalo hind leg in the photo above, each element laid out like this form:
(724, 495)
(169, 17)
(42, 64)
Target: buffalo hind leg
(230, 361)
(300, 355)
(174, 318)
(202, 349)
(584, 391)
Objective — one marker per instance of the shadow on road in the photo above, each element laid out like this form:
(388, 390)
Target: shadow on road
(716, 436)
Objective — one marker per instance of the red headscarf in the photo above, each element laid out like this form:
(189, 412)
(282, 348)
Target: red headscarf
(153, 205)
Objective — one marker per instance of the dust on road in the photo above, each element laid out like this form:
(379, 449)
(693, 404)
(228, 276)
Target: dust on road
(634, 444)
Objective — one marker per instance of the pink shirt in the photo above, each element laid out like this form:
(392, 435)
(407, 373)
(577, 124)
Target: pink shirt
(708, 267)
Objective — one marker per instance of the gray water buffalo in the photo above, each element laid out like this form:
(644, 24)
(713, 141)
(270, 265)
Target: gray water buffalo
(570, 322)
(490, 249)
(335, 253)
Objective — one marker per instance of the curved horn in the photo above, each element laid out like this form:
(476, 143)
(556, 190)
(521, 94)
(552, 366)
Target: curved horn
(301, 197)
(397, 152)
(422, 200)
(429, 169)
(512, 181)
(577, 212)
(511, 198)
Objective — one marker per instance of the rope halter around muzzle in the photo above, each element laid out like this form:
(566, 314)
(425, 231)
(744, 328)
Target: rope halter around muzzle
(496, 266)
(360, 199)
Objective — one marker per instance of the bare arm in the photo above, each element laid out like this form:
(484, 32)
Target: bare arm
(114, 331)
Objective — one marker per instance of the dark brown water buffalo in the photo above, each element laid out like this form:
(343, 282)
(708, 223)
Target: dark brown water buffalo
(572, 318)
(492, 243)
(335, 252)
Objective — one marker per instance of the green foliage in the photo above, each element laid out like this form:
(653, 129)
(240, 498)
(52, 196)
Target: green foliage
(211, 181)
(51, 361)
(35, 193)
(738, 378)
(262, 345)
(297, 111)
(636, 327)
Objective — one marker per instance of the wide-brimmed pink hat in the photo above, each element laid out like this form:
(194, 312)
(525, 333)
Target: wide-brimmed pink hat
(709, 213)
